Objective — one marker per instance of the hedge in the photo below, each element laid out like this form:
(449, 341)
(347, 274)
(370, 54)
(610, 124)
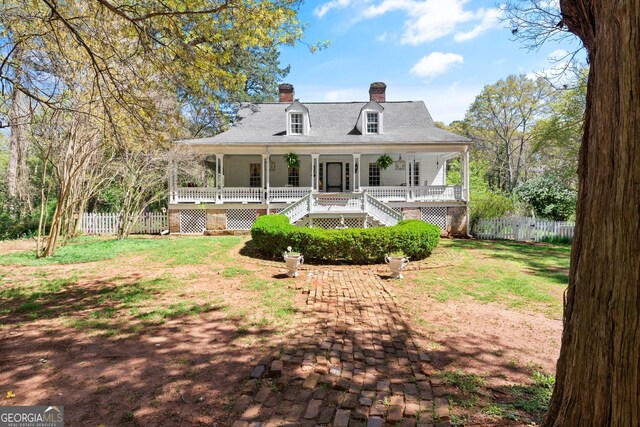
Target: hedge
(272, 234)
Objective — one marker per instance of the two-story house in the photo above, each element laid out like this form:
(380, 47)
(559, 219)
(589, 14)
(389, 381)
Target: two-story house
(338, 180)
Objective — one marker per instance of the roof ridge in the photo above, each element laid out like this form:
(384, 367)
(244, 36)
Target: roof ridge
(328, 102)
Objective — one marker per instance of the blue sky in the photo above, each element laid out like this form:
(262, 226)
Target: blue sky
(440, 51)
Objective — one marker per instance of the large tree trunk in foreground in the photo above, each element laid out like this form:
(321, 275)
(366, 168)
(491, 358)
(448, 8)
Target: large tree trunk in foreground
(597, 381)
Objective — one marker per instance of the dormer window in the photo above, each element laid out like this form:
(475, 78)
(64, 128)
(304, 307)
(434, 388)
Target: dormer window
(371, 118)
(373, 121)
(297, 126)
(298, 122)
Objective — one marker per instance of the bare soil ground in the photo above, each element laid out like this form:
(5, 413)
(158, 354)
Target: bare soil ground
(101, 345)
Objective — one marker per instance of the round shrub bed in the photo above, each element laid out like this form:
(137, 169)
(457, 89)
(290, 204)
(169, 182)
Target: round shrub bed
(272, 234)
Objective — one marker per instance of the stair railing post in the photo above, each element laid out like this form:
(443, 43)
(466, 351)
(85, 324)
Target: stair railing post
(364, 200)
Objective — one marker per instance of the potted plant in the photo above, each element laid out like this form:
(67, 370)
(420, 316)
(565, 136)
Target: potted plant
(384, 161)
(292, 160)
(397, 261)
(293, 261)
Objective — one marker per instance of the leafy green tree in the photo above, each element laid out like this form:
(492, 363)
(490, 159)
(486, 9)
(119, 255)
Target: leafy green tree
(557, 137)
(549, 197)
(483, 202)
(502, 120)
(117, 69)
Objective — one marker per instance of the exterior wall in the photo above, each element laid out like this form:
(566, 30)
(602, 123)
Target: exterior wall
(429, 173)
(236, 170)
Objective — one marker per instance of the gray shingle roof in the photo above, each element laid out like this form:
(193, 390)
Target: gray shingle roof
(332, 123)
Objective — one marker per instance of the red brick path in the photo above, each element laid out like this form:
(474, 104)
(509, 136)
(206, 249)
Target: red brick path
(355, 363)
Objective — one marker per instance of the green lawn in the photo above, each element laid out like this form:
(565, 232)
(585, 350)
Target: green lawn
(173, 251)
(516, 275)
(141, 282)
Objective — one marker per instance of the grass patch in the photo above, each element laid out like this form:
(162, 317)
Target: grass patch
(516, 275)
(172, 251)
(272, 308)
(524, 403)
(196, 250)
(231, 272)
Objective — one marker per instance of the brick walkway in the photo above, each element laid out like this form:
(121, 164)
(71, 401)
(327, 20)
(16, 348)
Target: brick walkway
(355, 363)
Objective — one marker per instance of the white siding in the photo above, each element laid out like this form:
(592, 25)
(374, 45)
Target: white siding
(236, 170)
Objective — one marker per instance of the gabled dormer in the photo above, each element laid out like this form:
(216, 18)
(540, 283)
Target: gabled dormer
(370, 121)
(298, 122)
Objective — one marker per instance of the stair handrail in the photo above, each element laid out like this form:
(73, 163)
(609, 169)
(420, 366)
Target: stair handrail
(297, 210)
(381, 210)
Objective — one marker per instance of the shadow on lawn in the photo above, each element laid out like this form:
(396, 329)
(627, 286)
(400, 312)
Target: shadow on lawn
(114, 361)
(189, 369)
(357, 353)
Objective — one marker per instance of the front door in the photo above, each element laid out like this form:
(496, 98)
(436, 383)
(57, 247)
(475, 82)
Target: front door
(334, 177)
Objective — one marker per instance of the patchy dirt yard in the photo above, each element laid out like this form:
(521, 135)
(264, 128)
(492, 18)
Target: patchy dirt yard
(165, 331)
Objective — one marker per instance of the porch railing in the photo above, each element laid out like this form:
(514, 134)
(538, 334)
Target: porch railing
(416, 194)
(292, 194)
(287, 194)
(241, 194)
(237, 194)
(437, 192)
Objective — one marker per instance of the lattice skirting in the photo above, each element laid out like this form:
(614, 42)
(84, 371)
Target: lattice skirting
(193, 221)
(241, 219)
(330, 223)
(436, 215)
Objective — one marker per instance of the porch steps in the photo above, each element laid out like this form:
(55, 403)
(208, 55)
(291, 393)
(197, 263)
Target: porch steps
(336, 210)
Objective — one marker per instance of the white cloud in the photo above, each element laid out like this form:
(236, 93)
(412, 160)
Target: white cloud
(428, 20)
(324, 8)
(382, 37)
(435, 63)
(489, 18)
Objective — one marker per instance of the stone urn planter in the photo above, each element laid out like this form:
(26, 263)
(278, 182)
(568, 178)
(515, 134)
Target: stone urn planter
(396, 265)
(293, 261)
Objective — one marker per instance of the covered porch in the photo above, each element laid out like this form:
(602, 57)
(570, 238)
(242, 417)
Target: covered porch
(266, 178)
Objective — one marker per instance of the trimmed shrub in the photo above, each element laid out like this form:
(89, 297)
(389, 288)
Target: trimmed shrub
(272, 234)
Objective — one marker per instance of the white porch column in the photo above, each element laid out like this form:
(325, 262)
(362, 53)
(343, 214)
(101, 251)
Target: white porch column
(356, 172)
(219, 177)
(172, 181)
(411, 159)
(463, 175)
(466, 174)
(315, 168)
(264, 178)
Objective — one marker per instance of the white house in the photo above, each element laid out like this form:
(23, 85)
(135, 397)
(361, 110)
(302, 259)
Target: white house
(338, 181)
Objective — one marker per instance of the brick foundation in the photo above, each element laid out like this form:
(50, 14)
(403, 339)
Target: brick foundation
(411, 213)
(174, 221)
(216, 219)
(457, 221)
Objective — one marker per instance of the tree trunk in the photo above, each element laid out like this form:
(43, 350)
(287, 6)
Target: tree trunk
(597, 380)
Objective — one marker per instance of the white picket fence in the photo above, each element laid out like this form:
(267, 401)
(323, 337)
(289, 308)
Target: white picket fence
(107, 223)
(523, 229)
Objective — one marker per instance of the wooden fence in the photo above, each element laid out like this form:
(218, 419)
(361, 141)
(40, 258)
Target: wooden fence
(107, 223)
(523, 228)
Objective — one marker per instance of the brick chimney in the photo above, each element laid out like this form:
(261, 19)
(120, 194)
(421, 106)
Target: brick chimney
(377, 92)
(285, 91)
